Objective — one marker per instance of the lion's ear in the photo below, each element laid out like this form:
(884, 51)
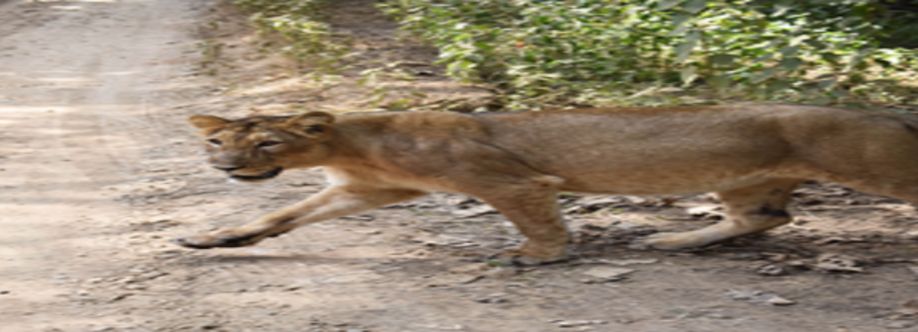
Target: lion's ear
(207, 122)
(312, 124)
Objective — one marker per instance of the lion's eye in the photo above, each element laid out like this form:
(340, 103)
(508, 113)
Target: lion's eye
(215, 141)
(266, 144)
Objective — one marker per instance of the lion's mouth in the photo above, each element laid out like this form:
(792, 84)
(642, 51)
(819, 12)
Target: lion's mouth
(263, 176)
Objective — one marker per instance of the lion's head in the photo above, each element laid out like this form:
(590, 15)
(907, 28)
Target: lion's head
(261, 147)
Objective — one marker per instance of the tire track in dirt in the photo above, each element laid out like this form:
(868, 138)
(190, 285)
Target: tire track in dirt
(76, 79)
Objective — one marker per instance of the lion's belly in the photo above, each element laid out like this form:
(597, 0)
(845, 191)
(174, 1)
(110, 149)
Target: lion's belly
(653, 183)
(662, 168)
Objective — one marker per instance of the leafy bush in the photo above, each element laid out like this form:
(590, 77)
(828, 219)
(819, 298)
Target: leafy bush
(652, 51)
(306, 38)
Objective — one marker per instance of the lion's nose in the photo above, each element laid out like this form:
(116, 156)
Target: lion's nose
(226, 168)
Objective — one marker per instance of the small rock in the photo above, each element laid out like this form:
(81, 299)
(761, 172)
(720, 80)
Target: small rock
(474, 211)
(4, 292)
(832, 262)
(780, 301)
(798, 263)
(706, 211)
(593, 204)
(775, 257)
(718, 315)
(757, 296)
(772, 270)
(461, 202)
(607, 274)
(577, 323)
(434, 327)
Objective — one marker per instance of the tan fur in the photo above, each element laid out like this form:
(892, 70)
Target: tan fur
(752, 156)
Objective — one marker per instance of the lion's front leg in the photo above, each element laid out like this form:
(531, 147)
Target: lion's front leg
(333, 202)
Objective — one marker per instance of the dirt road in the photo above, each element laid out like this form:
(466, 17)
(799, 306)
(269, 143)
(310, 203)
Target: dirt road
(98, 171)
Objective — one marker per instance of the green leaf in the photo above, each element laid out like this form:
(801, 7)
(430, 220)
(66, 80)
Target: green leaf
(680, 19)
(791, 64)
(721, 59)
(764, 75)
(777, 86)
(719, 82)
(789, 51)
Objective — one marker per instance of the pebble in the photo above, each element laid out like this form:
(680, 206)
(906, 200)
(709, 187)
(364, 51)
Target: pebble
(780, 301)
(832, 262)
(712, 212)
(476, 211)
(757, 296)
(577, 323)
(772, 270)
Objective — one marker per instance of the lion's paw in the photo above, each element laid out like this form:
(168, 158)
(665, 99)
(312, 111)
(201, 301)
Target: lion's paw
(516, 257)
(207, 241)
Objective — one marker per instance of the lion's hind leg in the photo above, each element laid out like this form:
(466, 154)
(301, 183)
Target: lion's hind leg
(750, 210)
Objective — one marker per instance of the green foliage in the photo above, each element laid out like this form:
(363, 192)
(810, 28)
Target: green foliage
(659, 51)
(305, 38)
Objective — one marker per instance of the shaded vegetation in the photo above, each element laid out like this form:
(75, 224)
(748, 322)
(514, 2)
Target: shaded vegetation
(306, 38)
(539, 53)
(672, 51)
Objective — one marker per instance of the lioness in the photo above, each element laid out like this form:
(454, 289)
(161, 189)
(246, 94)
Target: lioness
(752, 156)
